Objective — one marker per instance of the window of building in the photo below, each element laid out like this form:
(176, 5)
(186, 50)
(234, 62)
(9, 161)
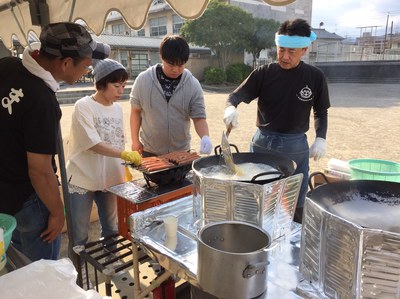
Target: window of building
(140, 32)
(123, 58)
(158, 26)
(177, 23)
(118, 29)
(139, 61)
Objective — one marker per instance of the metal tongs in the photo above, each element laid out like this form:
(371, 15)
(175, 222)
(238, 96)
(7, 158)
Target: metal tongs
(226, 151)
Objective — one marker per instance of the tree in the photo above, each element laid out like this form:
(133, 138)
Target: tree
(222, 28)
(262, 37)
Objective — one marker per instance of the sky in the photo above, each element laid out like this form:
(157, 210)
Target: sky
(345, 17)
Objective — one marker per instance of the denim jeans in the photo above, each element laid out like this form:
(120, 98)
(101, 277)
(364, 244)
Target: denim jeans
(290, 146)
(32, 220)
(81, 207)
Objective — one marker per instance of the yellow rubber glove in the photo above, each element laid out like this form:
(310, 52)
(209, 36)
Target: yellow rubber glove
(132, 157)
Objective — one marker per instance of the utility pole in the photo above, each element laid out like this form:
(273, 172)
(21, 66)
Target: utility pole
(384, 41)
(391, 36)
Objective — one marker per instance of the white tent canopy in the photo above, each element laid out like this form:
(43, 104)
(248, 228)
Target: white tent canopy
(16, 15)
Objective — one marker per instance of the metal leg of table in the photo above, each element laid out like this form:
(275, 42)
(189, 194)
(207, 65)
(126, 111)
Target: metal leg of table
(135, 254)
(108, 286)
(138, 292)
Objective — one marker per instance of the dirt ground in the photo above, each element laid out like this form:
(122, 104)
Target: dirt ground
(364, 122)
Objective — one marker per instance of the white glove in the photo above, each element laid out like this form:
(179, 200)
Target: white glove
(205, 145)
(318, 149)
(231, 116)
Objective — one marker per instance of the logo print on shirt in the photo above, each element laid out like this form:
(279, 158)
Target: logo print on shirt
(305, 94)
(14, 96)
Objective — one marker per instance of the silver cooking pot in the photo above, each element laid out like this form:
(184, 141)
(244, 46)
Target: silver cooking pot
(232, 259)
(284, 166)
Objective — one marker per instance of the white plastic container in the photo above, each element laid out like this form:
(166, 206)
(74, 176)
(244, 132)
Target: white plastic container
(3, 258)
(171, 226)
(338, 165)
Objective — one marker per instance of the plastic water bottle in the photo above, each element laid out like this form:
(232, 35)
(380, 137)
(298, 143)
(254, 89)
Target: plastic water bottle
(3, 258)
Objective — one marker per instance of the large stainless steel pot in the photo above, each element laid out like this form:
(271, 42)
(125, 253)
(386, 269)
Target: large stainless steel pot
(266, 202)
(285, 167)
(360, 193)
(233, 259)
(350, 241)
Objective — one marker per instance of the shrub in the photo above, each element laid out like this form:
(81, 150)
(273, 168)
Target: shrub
(236, 73)
(214, 75)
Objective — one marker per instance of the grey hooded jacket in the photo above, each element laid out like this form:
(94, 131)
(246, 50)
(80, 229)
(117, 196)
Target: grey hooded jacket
(165, 125)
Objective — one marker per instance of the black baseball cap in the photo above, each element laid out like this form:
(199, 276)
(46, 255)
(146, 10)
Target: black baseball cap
(67, 39)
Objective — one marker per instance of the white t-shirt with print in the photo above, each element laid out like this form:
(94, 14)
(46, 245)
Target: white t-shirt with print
(91, 124)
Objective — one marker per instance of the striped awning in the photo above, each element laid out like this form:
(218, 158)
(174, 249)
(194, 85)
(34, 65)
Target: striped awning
(19, 17)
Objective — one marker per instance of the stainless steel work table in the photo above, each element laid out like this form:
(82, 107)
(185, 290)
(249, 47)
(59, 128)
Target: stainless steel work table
(179, 257)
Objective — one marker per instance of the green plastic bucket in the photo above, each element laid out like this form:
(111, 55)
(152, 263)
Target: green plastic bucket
(374, 169)
(8, 223)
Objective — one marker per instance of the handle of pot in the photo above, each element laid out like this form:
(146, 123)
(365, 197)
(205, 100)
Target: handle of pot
(200, 223)
(312, 187)
(281, 175)
(272, 246)
(259, 268)
(255, 269)
(218, 149)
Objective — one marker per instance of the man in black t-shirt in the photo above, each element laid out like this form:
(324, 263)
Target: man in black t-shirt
(287, 91)
(29, 124)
